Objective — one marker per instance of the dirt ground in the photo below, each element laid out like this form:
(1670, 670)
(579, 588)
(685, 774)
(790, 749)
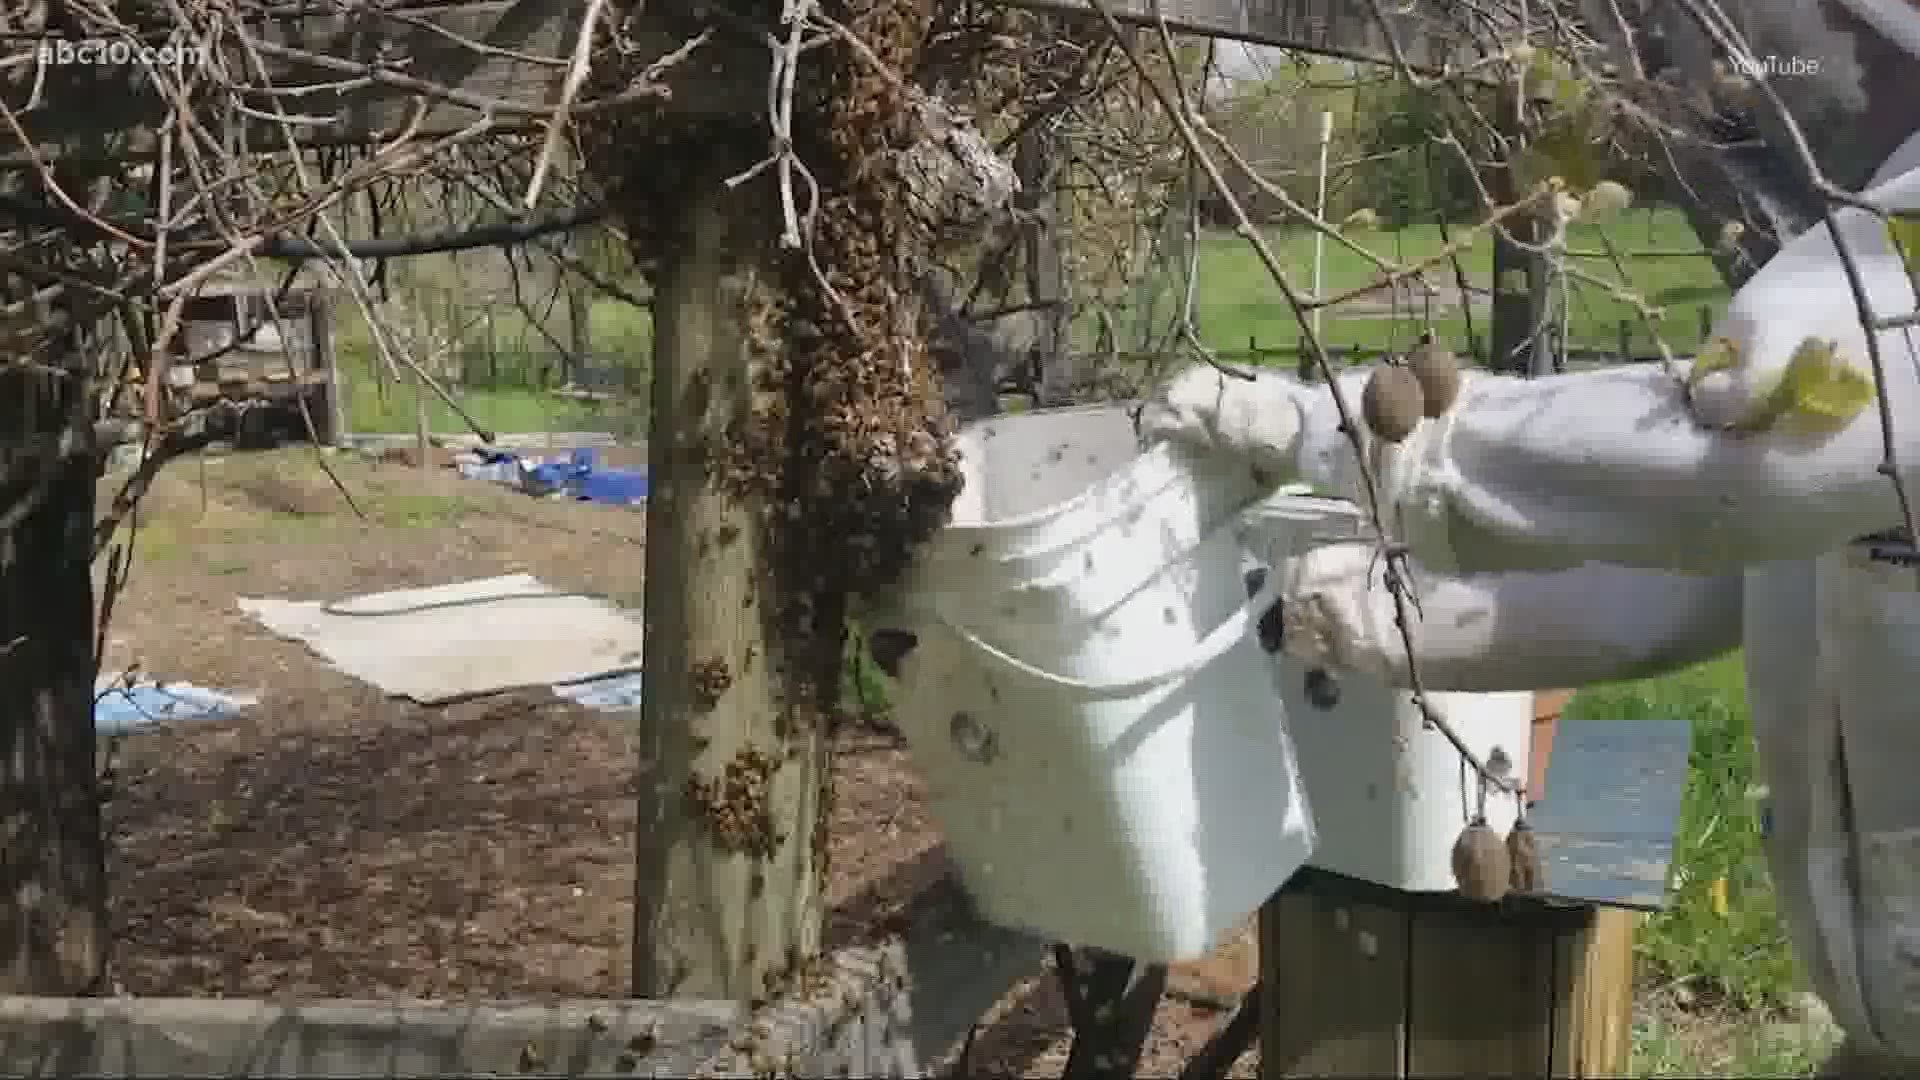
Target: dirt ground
(333, 842)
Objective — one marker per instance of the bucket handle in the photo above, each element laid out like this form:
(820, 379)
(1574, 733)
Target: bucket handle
(1224, 637)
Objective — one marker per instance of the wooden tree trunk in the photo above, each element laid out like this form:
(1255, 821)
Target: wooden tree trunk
(53, 883)
(728, 891)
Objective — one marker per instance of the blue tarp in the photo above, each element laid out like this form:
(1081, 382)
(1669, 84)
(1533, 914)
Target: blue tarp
(609, 693)
(578, 475)
(121, 708)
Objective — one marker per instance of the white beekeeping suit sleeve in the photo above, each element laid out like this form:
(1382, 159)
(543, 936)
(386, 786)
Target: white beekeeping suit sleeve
(1629, 465)
(1511, 631)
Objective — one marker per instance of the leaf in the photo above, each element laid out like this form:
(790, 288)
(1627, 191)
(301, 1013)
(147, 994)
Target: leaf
(1817, 394)
(1904, 231)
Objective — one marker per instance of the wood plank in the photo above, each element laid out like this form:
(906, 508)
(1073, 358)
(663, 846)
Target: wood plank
(102, 110)
(245, 387)
(1335, 997)
(1593, 1019)
(1481, 993)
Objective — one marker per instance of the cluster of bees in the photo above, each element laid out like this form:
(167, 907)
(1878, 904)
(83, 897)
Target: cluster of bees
(738, 806)
(710, 679)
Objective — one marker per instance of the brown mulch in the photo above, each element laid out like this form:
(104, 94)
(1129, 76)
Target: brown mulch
(333, 842)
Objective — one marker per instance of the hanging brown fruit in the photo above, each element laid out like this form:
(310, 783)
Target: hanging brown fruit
(1480, 863)
(1439, 374)
(1525, 873)
(1392, 404)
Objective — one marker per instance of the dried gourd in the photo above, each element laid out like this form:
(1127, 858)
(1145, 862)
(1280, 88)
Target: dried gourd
(1392, 404)
(1480, 863)
(1525, 874)
(1439, 374)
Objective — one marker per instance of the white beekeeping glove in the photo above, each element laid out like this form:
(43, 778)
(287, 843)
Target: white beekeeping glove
(1259, 419)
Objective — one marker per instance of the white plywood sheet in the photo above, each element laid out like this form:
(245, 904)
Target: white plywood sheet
(462, 640)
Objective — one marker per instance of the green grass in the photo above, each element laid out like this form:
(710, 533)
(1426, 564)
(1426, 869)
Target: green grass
(1238, 304)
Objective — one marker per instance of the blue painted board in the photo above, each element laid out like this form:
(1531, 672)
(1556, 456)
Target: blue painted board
(1606, 826)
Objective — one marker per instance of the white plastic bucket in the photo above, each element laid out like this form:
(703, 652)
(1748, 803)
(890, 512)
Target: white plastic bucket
(1390, 793)
(1088, 702)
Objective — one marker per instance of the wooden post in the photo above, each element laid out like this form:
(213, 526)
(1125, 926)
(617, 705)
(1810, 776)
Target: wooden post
(577, 367)
(1362, 980)
(421, 428)
(1522, 276)
(728, 890)
(493, 355)
(333, 428)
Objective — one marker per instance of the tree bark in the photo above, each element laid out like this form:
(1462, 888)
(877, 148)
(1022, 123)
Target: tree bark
(728, 895)
(53, 882)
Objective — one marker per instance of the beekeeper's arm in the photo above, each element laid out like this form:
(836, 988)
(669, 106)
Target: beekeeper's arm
(1511, 631)
(1767, 449)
